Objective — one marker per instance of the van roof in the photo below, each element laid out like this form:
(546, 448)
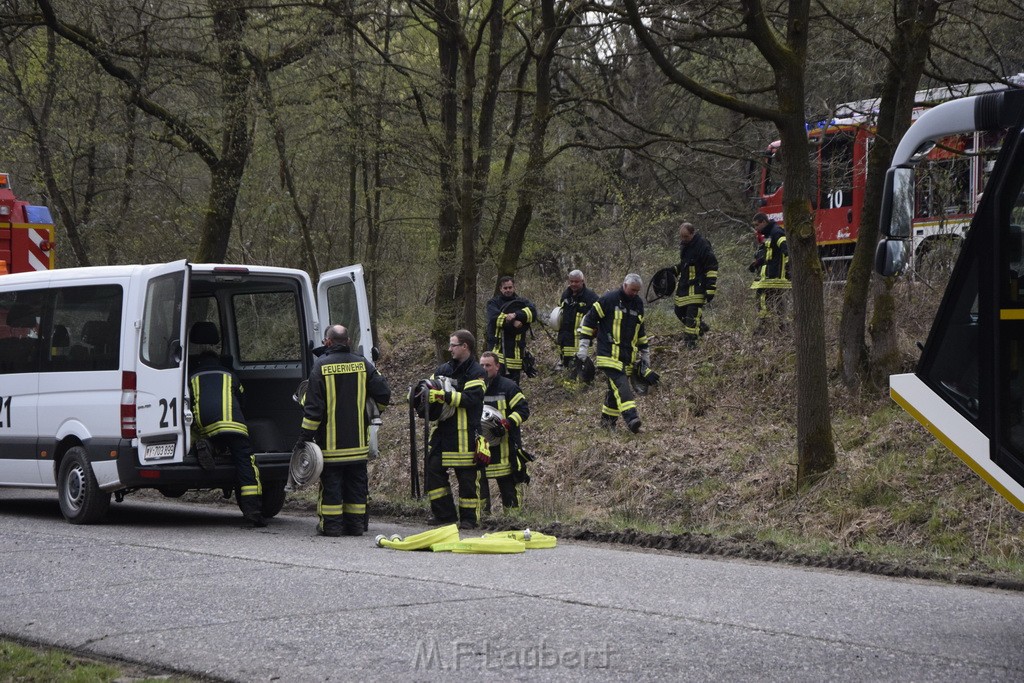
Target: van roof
(129, 270)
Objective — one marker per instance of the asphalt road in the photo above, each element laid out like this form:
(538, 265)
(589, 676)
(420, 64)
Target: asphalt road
(184, 587)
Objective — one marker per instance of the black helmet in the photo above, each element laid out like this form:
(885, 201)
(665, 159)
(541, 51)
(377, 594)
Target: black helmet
(644, 377)
(433, 411)
(663, 283)
(588, 370)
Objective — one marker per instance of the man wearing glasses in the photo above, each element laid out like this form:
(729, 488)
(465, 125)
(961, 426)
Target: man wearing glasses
(453, 441)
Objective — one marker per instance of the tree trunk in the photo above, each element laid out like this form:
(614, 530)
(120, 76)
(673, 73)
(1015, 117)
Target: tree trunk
(815, 448)
(448, 267)
(915, 19)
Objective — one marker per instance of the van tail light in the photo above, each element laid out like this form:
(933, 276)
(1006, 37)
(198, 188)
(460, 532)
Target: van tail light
(128, 405)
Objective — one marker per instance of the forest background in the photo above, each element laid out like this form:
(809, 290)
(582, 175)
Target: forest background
(442, 143)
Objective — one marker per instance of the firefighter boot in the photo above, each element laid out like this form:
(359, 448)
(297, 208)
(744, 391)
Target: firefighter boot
(251, 513)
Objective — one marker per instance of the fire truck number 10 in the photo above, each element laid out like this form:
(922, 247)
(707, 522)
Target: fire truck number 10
(835, 200)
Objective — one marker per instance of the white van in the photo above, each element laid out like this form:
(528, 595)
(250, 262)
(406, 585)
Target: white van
(94, 365)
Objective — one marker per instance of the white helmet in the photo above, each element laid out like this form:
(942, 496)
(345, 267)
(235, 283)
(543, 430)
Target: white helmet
(490, 425)
(555, 319)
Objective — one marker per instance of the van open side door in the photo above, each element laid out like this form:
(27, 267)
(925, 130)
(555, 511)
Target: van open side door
(341, 300)
(160, 377)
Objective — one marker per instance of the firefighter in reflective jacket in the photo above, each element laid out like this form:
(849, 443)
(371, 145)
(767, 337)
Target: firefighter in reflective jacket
(617, 320)
(507, 467)
(217, 410)
(770, 265)
(334, 415)
(697, 280)
(509, 317)
(453, 441)
(577, 300)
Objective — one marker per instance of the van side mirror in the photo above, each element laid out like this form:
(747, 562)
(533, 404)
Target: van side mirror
(890, 257)
(897, 216)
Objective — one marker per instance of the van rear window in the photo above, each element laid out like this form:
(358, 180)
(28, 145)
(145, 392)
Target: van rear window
(267, 324)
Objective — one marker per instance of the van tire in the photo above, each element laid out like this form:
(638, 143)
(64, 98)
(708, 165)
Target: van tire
(81, 500)
(273, 498)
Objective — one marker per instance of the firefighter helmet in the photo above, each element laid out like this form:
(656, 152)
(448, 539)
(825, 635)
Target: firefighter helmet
(555, 317)
(663, 283)
(433, 411)
(490, 425)
(644, 377)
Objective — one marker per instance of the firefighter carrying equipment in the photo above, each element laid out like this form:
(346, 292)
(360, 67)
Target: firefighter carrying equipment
(305, 467)
(421, 541)
(663, 284)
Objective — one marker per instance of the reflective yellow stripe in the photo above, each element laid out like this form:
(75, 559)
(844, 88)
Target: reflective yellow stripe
(354, 508)
(1011, 314)
(434, 494)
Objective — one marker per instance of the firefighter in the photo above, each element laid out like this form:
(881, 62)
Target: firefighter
(771, 266)
(217, 410)
(454, 441)
(617, 319)
(509, 317)
(577, 300)
(334, 415)
(697, 278)
(507, 466)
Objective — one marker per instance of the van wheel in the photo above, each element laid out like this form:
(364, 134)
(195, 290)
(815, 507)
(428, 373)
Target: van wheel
(81, 500)
(273, 498)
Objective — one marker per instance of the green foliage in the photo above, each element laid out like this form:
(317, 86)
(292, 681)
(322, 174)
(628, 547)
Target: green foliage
(19, 663)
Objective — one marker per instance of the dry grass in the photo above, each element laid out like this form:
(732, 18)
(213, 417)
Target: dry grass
(717, 455)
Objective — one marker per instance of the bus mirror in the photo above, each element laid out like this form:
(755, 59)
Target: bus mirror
(898, 204)
(890, 257)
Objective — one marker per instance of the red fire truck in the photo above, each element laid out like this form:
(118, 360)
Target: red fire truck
(26, 233)
(947, 191)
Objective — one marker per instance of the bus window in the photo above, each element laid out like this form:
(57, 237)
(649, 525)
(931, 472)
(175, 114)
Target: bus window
(89, 319)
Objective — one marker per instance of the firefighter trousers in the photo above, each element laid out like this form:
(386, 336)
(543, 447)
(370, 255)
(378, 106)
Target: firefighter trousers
(507, 488)
(619, 399)
(341, 505)
(250, 490)
(690, 316)
(439, 490)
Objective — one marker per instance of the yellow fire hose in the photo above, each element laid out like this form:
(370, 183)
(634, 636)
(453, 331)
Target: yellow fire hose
(446, 539)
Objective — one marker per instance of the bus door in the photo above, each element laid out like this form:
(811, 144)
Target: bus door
(160, 399)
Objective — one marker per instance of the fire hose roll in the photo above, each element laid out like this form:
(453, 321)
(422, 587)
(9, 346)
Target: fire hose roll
(305, 467)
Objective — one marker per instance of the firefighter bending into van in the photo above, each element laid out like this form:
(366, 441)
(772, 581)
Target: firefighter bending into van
(617, 320)
(334, 415)
(508, 462)
(453, 441)
(697, 278)
(509, 317)
(771, 266)
(217, 410)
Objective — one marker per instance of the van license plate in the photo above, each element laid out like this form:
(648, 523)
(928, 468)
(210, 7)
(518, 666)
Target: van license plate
(159, 451)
